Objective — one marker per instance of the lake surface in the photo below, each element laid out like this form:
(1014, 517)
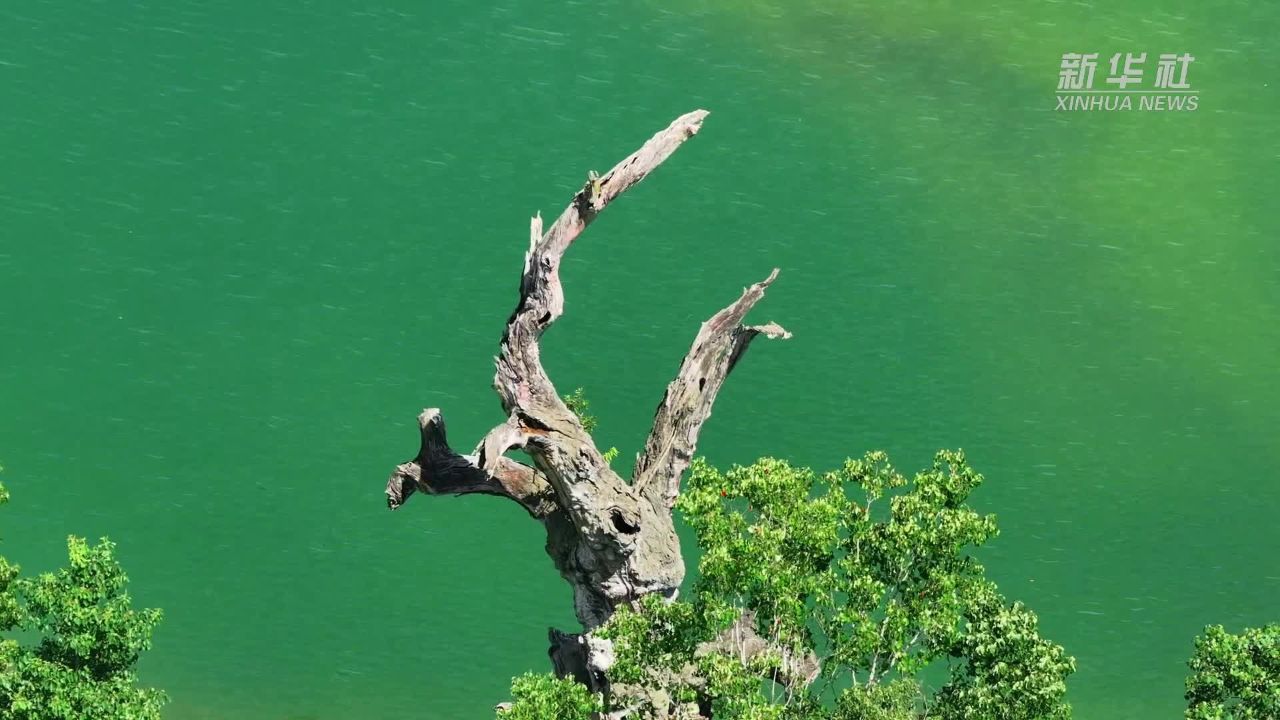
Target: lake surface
(243, 244)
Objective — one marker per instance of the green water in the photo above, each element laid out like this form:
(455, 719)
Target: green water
(242, 244)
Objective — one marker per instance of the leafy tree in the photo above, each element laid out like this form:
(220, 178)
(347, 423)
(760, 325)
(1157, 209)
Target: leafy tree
(1235, 676)
(539, 696)
(813, 603)
(89, 639)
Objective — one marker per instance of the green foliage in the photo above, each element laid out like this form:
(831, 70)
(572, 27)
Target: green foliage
(1007, 670)
(877, 584)
(658, 634)
(89, 640)
(10, 609)
(893, 700)
(578, 405)
(546, 697)
(1235, 676)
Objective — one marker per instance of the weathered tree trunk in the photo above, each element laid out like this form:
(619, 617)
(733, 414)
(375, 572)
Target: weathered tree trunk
(614, 541)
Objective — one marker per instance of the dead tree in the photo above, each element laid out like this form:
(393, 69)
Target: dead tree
(614, 541)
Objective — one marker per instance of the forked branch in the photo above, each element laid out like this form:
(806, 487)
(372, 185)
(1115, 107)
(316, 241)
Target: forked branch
(614, 541)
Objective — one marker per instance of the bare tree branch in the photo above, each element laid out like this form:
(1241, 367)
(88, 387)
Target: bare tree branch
(687, 402)
(438, 470)
(520, 379)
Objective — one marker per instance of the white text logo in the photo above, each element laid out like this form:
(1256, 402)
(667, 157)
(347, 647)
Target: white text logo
(1123, 87)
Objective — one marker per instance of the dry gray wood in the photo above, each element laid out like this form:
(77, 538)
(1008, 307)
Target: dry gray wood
(439, 470)
(612, 540)
(687, 403)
